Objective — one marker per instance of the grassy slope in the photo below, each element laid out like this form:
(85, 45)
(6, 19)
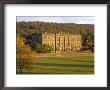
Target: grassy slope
(63, 65)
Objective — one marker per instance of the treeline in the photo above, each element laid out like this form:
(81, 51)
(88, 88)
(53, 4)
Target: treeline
(25, 29)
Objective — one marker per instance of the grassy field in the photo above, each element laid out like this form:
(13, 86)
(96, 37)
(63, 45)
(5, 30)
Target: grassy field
(62, 65)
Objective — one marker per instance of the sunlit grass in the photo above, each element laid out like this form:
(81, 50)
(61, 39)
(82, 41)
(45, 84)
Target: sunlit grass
(62, 65)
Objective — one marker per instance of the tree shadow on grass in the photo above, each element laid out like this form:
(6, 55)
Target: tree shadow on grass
(64, 65)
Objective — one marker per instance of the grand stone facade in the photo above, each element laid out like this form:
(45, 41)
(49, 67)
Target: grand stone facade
(64, 42)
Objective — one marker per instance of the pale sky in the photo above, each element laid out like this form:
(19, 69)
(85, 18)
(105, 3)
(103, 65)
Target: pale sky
(58, 19)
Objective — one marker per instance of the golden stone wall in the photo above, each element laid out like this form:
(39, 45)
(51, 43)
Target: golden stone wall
(62, 41)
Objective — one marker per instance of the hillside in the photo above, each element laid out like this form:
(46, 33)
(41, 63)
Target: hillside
(28, 28)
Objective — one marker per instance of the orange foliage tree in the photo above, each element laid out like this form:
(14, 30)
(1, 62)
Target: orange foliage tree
(24, 54)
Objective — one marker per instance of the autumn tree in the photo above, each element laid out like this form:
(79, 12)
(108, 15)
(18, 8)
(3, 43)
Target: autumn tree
(24, 54)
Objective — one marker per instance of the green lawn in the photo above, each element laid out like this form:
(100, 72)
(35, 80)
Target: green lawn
(62, 65)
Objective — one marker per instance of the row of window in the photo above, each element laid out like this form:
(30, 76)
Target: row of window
(62, 42)
(66, 44)
(62, 38)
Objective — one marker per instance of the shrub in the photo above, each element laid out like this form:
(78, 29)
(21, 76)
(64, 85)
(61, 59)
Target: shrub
(46, 48)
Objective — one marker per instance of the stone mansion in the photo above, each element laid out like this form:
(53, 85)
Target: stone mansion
(65, 42)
